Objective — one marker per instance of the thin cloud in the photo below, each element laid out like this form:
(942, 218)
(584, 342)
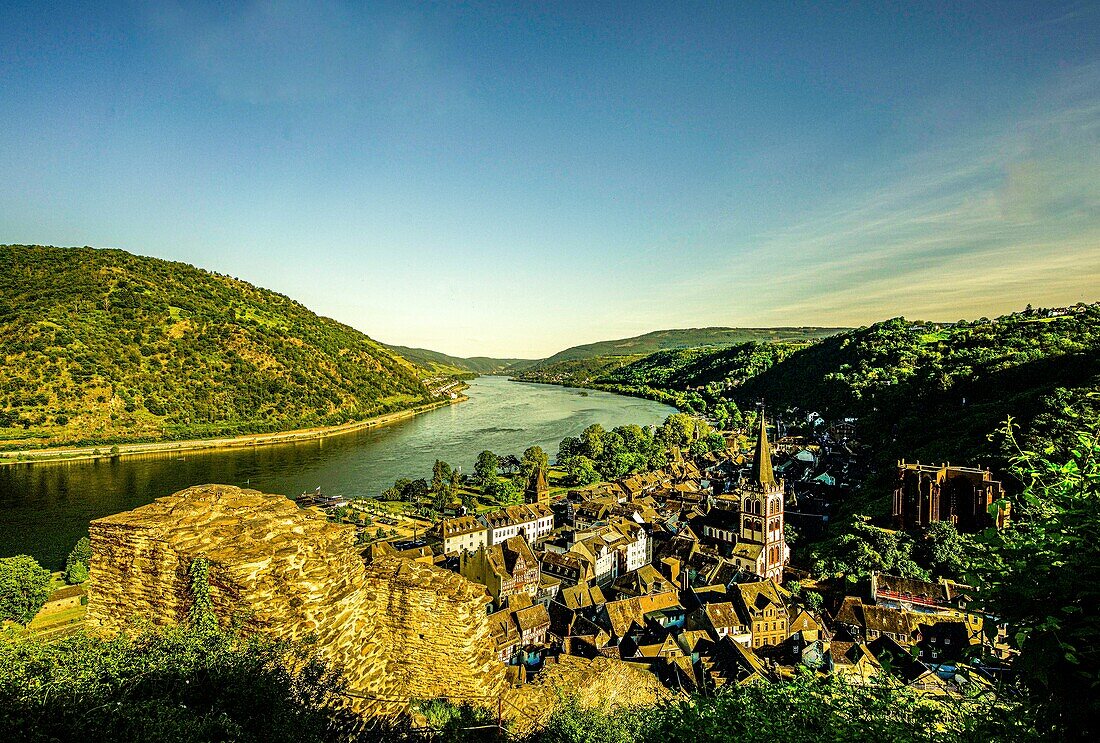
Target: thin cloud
(1003, 219)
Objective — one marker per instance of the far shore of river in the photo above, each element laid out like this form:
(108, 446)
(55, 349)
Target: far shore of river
(102, 451)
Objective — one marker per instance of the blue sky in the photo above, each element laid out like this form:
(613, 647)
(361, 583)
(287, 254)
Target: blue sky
(484, 178)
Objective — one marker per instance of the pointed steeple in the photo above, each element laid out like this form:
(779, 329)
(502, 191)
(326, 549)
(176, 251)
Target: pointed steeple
(762, 472)
(538, 490)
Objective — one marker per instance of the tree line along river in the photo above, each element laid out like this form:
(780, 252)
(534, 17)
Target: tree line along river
(45, 508)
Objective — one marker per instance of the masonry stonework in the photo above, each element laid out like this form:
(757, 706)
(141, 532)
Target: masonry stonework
(397, 630)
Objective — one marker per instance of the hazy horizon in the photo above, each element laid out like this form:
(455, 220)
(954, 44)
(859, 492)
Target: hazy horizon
(510, 181)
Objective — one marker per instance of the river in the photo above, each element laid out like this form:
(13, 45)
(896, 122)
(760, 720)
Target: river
(45, 508)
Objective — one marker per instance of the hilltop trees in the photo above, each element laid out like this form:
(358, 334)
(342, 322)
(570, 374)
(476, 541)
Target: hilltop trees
(505, 492)
(140, 348)
(24, 588)
(863, 548)
(601, 454)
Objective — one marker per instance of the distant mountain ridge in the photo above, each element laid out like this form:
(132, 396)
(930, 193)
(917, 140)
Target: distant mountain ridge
(447, 364)
(664, 340)
(101, 345)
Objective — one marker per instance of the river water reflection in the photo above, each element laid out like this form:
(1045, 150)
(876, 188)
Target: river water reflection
(44, 509)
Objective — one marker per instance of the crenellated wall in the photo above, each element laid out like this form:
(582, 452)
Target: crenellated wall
(397, 630)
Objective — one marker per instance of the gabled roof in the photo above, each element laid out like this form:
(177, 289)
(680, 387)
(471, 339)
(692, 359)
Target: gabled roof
(748, 551)
(885, 619)
(804, 622)
(756, 597)
(532, 617)
(624, 614)
(734, 663)
(914, 588)
(581, 596)
(460, 525)
(503, 558)
(721, 615)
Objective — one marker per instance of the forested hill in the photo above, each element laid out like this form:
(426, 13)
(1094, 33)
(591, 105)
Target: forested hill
(102, 346)
(442, 363)
(661, 340)
(584, 365)
(920, 390)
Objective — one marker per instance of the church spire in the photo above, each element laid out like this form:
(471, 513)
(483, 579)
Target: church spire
(762, 472)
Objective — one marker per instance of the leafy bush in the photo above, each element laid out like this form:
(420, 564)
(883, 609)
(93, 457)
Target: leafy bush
(176, 684)
(1042, 573)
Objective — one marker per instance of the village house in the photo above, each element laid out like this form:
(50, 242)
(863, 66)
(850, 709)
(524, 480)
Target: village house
(762, 607)
(504, 569)
(567, 567)
(69, 597)
(622, 617)
(864, 622)
(918, 595)
(519, 631)
(534, 521)
(462, 534)
(721, 620)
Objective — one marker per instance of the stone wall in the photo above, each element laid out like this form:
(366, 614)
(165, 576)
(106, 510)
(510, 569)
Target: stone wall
(398, 630)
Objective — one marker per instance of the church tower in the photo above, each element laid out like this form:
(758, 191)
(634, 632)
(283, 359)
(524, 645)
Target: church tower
(538, 490)
(762, 510)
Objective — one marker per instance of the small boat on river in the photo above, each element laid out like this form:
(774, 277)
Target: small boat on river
(320, 500)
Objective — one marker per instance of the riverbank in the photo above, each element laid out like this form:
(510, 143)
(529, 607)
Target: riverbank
(642, 393)
(92, 453)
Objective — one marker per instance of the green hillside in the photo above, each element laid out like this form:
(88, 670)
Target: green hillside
(662, 340)
(442, 363)
(102, 346)
(919, 390)
(937, 393)
(596, 363)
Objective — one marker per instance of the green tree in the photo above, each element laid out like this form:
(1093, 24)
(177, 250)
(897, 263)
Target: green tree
(505, 492)
(677, 430)
(864, 548)
(592, 441)
(78, 573)
(1040, 574)
(415, 491)
(441, 476)
(24, 588)
(570, 446)
(943, 551)
(533, 457)
(81, 554)
(581, 470)
(169, 684)
(486, 468)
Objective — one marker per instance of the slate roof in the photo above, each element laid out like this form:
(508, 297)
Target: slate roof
(461, 525)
